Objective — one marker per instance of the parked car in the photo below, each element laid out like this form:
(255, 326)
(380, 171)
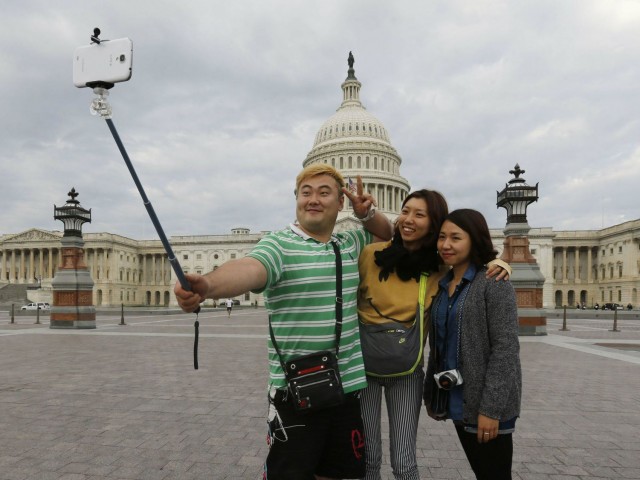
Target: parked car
(613, 306)
(36, 306)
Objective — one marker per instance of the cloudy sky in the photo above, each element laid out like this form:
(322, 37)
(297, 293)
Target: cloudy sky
(226, 99)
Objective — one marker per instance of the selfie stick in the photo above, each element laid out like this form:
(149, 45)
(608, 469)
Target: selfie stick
(100, 105)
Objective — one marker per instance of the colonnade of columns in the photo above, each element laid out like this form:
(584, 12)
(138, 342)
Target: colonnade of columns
(27, 265)
(575, 264)
(31, 265)
(389, 197)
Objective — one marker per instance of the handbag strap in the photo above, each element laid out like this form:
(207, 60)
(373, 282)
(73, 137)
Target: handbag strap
(422, 292)
(336, 250)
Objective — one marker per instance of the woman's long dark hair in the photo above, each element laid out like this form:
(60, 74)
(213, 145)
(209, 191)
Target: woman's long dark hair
(474, 223)
(410, 264)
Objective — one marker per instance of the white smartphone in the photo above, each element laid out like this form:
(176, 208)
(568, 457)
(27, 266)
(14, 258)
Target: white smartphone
(109, 61)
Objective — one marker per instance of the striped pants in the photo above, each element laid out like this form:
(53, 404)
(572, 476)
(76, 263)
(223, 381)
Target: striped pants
(403, 396)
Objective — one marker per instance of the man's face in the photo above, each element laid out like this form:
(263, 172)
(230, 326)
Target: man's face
(318, 202)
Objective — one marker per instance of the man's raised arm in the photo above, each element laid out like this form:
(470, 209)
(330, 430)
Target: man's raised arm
(229, 280)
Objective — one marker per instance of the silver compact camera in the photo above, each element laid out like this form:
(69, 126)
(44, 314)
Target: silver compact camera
(448, 379)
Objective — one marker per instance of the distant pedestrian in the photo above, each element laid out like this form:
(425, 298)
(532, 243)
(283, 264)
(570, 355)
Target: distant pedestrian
(229, 303)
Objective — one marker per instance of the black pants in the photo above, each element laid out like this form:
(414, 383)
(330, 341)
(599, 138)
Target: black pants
(489, 461)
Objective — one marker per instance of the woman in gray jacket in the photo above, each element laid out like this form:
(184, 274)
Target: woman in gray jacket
(473, 373)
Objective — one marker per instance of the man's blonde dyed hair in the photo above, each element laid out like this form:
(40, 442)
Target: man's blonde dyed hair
(320, 169)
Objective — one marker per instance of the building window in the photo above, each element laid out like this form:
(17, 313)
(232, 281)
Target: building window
(215, 256)
(185, 257)
(199, 256)
(619, 249)
(233, 255)
(619, 271)
(533, 251)
(247, 296)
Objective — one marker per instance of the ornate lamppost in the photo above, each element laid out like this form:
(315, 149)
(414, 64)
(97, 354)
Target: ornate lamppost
(527, 278)
(72, 285)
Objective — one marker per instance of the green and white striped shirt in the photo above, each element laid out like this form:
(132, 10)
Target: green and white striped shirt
(300, 298)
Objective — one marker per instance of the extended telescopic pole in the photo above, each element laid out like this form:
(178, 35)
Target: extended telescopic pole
(101, 106)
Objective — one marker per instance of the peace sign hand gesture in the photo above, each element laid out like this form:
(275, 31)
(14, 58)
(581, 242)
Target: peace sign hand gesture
(360, 202)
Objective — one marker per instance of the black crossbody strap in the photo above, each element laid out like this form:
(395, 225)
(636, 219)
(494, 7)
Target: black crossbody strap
(336, 250)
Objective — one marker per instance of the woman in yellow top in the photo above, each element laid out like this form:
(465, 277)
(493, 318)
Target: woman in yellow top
(389, 285)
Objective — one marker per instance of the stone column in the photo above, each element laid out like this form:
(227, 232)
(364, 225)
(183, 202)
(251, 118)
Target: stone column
(21, 272)
(31, 261)
(565, 267)
(41, 263)
(589, 265)
(49, 262)
(12, 266)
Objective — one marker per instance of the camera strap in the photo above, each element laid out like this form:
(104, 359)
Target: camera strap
(336, 250)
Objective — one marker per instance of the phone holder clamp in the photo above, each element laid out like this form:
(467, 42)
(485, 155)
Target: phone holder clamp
(100, 105)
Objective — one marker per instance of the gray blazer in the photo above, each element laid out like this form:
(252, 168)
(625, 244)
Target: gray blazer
(489, 351)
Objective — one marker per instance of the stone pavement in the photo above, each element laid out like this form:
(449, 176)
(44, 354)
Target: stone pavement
(124, 402)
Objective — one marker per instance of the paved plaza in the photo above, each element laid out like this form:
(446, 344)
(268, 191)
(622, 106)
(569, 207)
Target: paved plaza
(124, 402)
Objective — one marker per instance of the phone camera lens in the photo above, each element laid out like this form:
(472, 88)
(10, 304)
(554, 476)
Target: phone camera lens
(122, 57)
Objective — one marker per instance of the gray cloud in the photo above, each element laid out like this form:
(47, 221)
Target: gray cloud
(226, 98)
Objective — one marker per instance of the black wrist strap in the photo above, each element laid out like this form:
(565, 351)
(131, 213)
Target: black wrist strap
(336, 250)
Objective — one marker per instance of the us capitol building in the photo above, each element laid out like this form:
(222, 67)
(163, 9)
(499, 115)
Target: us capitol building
(585, 266)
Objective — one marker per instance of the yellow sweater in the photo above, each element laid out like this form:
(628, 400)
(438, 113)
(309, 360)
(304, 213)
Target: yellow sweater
(394, 297)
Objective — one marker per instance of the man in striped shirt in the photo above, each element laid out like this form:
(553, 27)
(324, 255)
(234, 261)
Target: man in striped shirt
(296, 270)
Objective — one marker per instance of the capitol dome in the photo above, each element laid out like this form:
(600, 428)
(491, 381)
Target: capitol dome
(351, 121)
(355, 142)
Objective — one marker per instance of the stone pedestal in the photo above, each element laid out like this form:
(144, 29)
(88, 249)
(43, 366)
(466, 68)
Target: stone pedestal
(72, 289)
(527, 279)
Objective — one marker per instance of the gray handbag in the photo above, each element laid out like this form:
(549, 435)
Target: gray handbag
(394, 348)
